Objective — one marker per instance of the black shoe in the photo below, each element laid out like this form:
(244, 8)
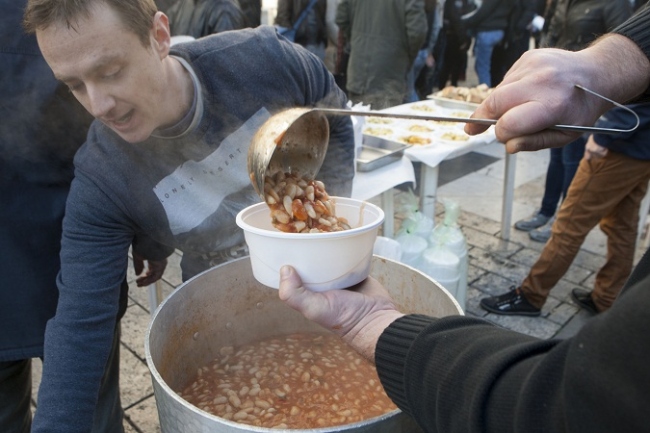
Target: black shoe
(583, 299)
(513, 303)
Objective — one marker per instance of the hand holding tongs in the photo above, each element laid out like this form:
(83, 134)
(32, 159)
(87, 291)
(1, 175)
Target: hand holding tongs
(488, 121)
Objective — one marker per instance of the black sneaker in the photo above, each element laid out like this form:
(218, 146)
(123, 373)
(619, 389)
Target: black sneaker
(584, 300)
(513, 303)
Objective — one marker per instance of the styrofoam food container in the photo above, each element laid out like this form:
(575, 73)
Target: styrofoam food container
(324, 261)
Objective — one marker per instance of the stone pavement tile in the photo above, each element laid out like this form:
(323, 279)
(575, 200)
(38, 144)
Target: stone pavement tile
(476, 194)
(135, 378)
(173, 271)
(589, 282)
(526, 257)
(134, 327)
(596, 242)
(589, 260)
(140, 295)
(492, 284)
(529, 194)
(522, 238)
(562, 290)
(485, 225)
(496, 264)
(37, 371)
(473, 308)
(550, 305)
(474, 273)
(144, 416)
(559, 312)
(576, 274)
(534, 326)
(486, 241)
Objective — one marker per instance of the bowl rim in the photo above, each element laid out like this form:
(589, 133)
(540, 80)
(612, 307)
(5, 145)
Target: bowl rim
(239, 219)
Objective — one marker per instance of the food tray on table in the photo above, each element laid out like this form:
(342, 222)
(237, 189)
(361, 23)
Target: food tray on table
(464, 98)
(453, 103)
(377, 152)
(417, 133)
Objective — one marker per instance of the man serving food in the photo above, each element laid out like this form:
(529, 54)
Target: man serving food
(165, 157)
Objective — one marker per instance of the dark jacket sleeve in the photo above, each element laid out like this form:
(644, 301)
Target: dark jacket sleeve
(460, 374)
(205, 17)
(478, 15)
(637, 29)
(226, 16)
(284, 13)
(416, 26)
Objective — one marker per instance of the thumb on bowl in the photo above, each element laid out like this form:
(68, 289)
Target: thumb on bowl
(290, 285)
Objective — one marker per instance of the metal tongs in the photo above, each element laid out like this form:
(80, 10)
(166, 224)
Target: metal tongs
(488, 122)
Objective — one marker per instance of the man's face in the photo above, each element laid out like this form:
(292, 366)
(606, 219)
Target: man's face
(108, 69)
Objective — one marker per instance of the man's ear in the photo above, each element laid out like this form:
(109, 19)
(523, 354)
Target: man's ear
(161, 35)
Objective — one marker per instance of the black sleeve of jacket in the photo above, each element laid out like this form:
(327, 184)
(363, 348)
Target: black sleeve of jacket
(460, 374)
(638, 30)
(475, 17)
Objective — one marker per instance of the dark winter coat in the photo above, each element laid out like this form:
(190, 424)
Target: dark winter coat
(310, 31)
(205, 17)
(577, 23)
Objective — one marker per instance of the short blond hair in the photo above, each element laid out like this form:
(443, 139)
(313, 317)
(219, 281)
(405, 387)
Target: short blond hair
(137, 15)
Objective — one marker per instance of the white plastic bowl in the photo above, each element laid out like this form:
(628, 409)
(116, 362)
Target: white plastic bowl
(324, 261)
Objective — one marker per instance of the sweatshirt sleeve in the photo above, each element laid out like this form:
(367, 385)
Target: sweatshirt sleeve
(78, 339)
(461, 374)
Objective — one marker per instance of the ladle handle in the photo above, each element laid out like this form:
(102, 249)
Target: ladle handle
(572, 128)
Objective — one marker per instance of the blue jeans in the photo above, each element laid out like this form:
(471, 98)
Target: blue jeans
(561, 169)
(484, 43)
(418, 64)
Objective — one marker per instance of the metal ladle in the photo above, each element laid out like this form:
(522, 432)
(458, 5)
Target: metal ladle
(292, 141)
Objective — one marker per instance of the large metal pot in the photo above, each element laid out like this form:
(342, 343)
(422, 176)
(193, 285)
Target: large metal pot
(226, 306)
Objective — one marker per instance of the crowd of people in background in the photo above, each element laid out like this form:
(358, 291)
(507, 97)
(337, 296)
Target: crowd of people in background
(370, 55)
(494, 32)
